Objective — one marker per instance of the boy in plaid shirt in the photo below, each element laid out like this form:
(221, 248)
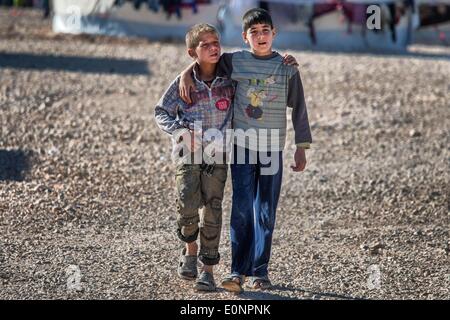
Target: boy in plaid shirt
(201, 170)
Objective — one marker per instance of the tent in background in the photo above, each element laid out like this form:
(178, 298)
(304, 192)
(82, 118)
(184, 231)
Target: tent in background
(301, 24)
(153, 19)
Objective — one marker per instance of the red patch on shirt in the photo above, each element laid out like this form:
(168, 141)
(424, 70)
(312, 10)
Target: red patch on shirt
(222, 104)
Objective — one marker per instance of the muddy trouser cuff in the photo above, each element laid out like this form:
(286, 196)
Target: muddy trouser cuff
(187, 239)
(207, 260)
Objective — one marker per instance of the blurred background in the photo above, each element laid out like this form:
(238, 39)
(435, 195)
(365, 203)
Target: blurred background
(87, 201)
(334, 24)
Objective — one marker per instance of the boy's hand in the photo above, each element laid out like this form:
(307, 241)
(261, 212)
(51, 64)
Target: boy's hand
(289, 60)
(191, 140)
(185, 87)
(300, 160)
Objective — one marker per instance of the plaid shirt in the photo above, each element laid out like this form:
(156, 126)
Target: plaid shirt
(212, 106)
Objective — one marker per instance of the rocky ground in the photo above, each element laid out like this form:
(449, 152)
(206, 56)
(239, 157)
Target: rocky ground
(87, 188)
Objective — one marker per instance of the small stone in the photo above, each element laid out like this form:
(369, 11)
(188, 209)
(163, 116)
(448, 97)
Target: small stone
(315, 256)
(375, 248)
(413, 133)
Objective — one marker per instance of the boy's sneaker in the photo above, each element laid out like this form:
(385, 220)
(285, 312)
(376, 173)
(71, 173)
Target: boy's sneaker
(187, 267)
(205, 282)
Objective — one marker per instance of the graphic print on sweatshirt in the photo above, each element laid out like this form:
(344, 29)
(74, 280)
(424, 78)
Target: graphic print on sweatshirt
(256, 94)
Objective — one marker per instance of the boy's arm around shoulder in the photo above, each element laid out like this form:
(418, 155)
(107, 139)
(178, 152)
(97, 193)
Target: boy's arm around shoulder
(296, 101)
(186, 84)
(225, 65)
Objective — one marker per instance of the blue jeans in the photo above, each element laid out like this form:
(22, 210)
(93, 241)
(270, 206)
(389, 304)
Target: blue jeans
(255, 200)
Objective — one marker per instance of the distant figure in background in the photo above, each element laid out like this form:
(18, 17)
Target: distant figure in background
(264, 5)
(46, 7)
(7, 3)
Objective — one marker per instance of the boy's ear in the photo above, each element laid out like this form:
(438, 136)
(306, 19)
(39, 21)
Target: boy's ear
(274, 32)
(244, 37)
(192, 53)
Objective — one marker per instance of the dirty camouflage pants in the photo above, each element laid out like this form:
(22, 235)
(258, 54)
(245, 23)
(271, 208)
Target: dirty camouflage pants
(196, 190)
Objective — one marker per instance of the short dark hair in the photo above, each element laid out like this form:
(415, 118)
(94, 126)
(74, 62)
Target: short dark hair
(255, 16)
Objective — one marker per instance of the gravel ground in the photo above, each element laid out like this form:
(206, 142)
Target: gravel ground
(87, 190)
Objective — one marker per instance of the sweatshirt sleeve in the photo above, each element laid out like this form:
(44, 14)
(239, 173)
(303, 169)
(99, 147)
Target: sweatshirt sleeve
(166, 110)
(296, 101)
(225, 66)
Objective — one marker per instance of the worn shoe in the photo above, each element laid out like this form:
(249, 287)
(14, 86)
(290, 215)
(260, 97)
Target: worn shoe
(205, 282)
(261, 283)
(233, 283)
(187, 267)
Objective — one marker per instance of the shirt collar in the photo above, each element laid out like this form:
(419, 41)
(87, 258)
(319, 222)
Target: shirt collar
(196, 74)
(267, 57)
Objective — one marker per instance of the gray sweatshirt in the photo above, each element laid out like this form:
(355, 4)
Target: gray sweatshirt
(265, 87)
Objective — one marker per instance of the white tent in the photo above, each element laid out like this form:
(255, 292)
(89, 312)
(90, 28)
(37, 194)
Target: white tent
(104, 17)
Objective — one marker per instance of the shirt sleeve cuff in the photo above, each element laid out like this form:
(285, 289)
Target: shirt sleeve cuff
(304, 145)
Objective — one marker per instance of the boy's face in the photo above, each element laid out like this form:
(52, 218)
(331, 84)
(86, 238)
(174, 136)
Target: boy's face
(208, 49)
(260, 37)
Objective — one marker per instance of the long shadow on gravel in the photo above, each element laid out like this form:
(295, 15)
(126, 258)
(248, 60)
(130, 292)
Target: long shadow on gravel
(319, 294)
(14, 164)
(272, 295)
(72, 63)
